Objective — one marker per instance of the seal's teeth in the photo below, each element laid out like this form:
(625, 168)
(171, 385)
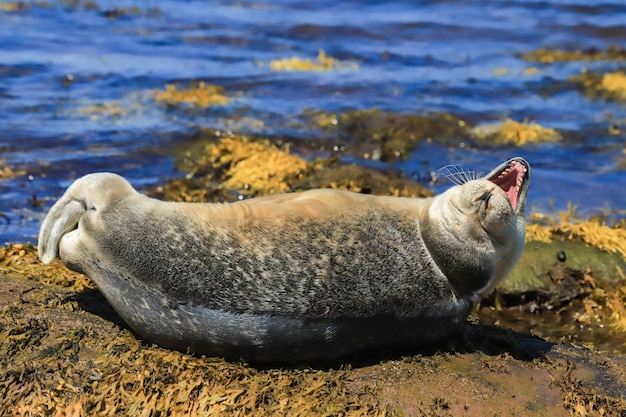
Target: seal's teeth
(505, 172)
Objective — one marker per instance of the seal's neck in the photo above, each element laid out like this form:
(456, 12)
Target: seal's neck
(467, 266)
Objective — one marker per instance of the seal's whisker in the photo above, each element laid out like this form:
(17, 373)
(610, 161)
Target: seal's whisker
(469, 175)
(456, 174)
(455, 178)
(450, 176)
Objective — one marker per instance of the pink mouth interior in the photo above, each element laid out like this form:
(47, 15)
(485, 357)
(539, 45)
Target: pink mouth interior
(510, 180)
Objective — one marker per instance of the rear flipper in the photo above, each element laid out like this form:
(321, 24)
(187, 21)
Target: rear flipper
(91, 192)
(63, 217)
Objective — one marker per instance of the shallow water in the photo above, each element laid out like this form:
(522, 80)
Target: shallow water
(58, 58)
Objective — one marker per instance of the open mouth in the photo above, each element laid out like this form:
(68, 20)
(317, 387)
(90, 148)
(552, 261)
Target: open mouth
(511, 177)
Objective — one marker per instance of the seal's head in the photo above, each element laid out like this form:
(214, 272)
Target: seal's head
(496, 201)
(476, 229)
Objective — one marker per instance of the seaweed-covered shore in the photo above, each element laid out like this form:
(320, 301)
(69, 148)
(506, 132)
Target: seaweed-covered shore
(549, 341)
(65, 352)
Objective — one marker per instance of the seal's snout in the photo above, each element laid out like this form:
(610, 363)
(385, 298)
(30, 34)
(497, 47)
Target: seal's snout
(512, 177)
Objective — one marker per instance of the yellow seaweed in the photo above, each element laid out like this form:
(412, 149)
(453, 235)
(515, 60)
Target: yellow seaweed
(22, 258)
(614, 83)
(322, 63)
(254, 167)
(516, 133)
(199, 94)
(7, 172)
(500, 71)
(616, 302)
(12, 6)
(610, 85)
(548, 56)
(125, 378)
(592, 232)
(538, 233)
(111, 109)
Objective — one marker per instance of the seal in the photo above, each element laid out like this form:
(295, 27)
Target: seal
(294, 277)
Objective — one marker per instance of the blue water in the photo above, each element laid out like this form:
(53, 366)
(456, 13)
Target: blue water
(413, 57)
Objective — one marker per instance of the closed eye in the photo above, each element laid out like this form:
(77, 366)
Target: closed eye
(485, 197)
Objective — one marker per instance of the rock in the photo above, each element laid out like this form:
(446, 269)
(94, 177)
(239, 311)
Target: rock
(532, 271)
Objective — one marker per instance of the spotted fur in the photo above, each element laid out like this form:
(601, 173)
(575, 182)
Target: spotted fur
(284, 278)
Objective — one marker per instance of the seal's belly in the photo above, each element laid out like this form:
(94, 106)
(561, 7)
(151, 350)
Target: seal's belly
(263, 337)
(358, 266)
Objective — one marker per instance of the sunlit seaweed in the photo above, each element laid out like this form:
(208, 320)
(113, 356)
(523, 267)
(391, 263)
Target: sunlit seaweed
(617, 304)
(611, 85)
(515, 133)
(321, 119)
(102, 371)
(614, 83)
(23, 258)
(322, 63)
(502, 71)
(6, 172)
(602, 297)
(563, 291)
(548, 56)
(604, 307)
(199, 94)
(12, 6)
(538, 233)
(592, 232)
(112, 109)
(253, 167)
(530, 71)
(250, 167)
(396, 135)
